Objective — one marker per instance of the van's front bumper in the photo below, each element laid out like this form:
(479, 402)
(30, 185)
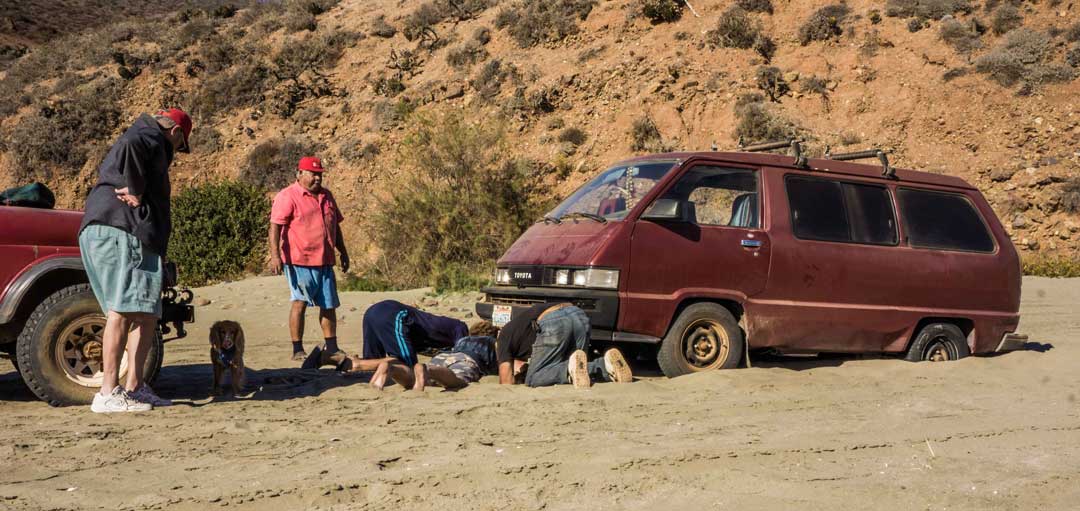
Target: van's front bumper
(601, 306)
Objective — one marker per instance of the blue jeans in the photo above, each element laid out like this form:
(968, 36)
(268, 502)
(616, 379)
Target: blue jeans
(558, 335)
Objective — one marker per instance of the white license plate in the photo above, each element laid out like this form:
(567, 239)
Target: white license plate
(501, 315)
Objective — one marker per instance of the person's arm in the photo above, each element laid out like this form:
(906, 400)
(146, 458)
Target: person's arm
(275, 249)
(506, 373)
(342, 250)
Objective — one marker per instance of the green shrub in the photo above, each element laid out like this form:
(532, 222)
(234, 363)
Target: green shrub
(1072, 57)
(370, 282)
(420, 20)
(575, 136)
(380, 28)
(464, 56)
(489, 80)
(532, 22)
(662, 11)
(1070, 195)
(64, 133)
(1072, 34)
(1051, 266)
(770, 80)
(645, 136)
(459, 206)
(1022, 57)
(240, 87)
(755, 122)
(1006, 18)
(764, 6)
(961, 36)
(219, 231)
(824, 24)
(271, 165)
(813, 85)
(734, 29)
(354, 150)
(926, 9)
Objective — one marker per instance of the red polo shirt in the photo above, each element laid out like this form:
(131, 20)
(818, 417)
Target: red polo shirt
(309, 225)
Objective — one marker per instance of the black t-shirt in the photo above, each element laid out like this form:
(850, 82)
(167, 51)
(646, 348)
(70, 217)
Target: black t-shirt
(516, 338)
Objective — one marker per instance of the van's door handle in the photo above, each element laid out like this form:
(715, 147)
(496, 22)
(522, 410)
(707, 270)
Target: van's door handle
(751, 243)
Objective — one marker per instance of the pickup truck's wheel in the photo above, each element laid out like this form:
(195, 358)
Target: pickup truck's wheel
(60, 351)
(705, 336)
(938, 342)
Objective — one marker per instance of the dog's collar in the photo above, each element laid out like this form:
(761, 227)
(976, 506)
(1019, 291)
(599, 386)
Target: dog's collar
(226, 356)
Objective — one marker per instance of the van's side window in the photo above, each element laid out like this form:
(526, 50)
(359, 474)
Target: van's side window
(943, 220)
(720, 196)
(827, 210)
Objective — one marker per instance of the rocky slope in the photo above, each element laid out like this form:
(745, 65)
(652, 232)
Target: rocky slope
(875, 84)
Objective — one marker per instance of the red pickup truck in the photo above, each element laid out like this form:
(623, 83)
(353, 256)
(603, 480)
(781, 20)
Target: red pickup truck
(50, 322)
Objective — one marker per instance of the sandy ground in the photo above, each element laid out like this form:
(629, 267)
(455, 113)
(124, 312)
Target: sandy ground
(998, 432)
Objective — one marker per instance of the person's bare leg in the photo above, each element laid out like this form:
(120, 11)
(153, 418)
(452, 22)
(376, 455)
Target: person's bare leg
(401, 374)
(140, 339)
(444, 377)
(367, 364)
(296, 320)
(421, 377)
(328, 321)
(113, 341)
(378, 380)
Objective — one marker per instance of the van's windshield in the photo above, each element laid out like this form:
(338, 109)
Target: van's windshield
(614, 192)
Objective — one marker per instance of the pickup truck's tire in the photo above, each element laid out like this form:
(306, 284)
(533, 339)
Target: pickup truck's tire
(705, 336)
(59, 349)
(938, 342)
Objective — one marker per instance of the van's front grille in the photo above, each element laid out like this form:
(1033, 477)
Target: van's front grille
(528, 301)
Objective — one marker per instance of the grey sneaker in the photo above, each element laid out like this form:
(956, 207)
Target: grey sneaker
(145, 394)
(617, 368)
(117, 401)
(578, 367)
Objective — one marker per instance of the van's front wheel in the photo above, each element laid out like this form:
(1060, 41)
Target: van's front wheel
(704, 337)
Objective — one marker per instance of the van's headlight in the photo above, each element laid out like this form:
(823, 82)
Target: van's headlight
(606, 279)
(562, 277)
(502, 276)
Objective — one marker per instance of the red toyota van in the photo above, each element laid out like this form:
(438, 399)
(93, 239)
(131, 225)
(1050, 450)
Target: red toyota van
(699, 257)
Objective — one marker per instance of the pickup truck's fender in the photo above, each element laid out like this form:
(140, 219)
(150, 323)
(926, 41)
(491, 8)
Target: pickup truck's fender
(22, 284)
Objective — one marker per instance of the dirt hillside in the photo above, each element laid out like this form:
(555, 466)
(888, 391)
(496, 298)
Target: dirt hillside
(875, 83)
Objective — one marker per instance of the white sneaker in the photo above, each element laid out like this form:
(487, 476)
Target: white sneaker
(145, 394)
(117, 401)
(578, 367)
(617, 368)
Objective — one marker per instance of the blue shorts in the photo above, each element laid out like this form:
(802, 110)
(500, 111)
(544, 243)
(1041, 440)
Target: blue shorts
(313, 285)
(124, 274)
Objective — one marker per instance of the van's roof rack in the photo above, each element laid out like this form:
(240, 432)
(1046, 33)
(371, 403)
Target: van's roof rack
(794, 144)
(886, 170)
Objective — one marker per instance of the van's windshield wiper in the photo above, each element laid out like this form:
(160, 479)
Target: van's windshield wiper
(591, 216)
(551, 219)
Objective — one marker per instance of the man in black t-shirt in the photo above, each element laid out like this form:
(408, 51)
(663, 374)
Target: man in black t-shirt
(552, 340)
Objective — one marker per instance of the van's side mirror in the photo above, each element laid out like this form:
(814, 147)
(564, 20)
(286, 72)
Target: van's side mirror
(666, 210)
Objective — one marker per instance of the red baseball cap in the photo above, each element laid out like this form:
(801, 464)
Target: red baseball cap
(310, 164)
(181, 119)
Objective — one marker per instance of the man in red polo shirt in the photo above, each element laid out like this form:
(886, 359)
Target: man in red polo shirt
(304, 230)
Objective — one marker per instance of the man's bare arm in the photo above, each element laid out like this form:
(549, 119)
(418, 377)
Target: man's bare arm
(340, 243)
(275, 249)
(506, 373)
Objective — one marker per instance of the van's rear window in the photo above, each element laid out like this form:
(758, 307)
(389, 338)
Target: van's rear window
(943, 220)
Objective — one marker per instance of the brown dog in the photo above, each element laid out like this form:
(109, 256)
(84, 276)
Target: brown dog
(227, 352)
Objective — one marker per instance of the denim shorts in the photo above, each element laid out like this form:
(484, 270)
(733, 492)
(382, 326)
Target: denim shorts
(313, 285)
(124, 274)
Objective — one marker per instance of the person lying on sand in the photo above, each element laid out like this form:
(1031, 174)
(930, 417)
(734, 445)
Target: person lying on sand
(394, 331)
(549, 342)
(470, 359)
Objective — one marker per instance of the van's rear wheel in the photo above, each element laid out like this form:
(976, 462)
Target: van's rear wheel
(704, 337)
(938, 342)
